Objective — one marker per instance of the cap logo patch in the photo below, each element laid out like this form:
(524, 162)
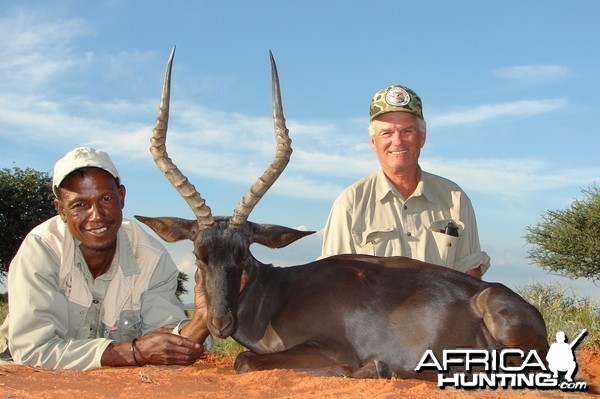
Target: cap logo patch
(81, 153)
(397, 96)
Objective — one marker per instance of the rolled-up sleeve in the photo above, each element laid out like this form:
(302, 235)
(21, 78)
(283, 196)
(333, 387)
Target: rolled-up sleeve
(470, 254)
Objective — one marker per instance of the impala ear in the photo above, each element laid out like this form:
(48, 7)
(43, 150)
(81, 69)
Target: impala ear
(171, 229)
(275, 236)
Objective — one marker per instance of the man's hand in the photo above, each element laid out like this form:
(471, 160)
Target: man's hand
(199, 295)
(167, 349)
(158, 347)
(475, 272)
(196, 329)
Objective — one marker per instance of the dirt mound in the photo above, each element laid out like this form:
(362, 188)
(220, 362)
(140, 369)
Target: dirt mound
(214, 378)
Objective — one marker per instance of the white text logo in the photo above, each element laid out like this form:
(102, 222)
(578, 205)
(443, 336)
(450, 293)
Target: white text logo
(507, 368)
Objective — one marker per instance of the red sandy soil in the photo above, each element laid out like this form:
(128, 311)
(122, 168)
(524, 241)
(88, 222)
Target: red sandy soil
(214, 377)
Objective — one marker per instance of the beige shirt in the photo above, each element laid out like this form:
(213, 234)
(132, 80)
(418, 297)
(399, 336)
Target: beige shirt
(371, 217)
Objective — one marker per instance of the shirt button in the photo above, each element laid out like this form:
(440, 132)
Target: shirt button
(408, 234)
(95, 301)
(405, 207)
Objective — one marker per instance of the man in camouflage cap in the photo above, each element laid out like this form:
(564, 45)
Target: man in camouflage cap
(401, 209)
(396, 98)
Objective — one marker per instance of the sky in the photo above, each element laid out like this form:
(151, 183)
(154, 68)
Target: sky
(510, 92)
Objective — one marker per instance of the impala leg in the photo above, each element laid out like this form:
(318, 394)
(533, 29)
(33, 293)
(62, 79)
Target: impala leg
(313, 360)
(303, 357)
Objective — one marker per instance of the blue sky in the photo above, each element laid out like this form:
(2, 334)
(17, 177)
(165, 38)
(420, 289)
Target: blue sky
(510, 92)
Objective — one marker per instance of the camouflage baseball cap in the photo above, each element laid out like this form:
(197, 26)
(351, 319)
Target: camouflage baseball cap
(396, 98)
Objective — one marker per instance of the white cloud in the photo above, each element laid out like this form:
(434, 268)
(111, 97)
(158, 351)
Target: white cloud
(125, 64)
(35, 51)
(522, 175)
(487, 112)
(238, 148)
(326, 162)
(231, 147)
(532, 73)
(44, 121)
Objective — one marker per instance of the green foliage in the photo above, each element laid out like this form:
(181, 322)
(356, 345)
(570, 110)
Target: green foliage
(27, 201)
(228, 347)
(224, 348)
(567, 241)
(564, 310)
(182, 278)
(3, 308)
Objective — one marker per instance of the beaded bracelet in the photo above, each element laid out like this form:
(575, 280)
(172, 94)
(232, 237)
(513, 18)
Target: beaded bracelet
(133, 353)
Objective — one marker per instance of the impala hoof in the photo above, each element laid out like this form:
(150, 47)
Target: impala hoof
(383, 370)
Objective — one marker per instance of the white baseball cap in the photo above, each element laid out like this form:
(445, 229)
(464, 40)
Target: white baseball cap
(78, 158)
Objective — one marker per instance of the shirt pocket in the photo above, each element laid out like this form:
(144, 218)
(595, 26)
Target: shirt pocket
(77, 326)
(442, 247)
(130, 325)
(375, 241)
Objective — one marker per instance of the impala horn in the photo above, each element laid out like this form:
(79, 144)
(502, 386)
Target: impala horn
(282, 156)
(182, 184)
(158, 149)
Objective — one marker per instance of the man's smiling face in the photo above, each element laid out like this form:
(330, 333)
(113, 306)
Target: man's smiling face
(91, 204)
(397, 140)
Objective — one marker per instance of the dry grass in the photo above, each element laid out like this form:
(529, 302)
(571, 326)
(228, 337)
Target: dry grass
(564, 310)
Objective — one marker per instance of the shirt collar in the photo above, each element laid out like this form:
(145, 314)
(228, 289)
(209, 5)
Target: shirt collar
(426, 188)
(385, 188)
(124, 256)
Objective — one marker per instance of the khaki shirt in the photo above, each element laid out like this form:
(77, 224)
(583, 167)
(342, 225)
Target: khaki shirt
(371, 217)
(50, 299)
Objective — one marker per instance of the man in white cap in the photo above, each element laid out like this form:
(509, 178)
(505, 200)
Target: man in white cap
(401, 209)
(88, 289)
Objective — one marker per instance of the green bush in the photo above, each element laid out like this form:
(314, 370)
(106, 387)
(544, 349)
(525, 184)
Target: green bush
(567, 241)
(27, 201)
(3, 310)
(564, 310)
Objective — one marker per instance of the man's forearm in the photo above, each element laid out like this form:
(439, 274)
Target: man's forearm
(196, 330)
(118, 354)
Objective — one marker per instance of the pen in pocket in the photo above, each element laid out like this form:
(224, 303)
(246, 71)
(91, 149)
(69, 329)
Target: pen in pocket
(451, 229)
